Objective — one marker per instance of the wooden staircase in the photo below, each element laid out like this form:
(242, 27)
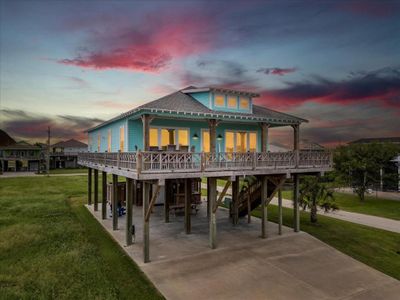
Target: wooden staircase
(250, 195)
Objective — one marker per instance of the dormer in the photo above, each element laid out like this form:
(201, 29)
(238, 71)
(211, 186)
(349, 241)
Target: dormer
(220, 99)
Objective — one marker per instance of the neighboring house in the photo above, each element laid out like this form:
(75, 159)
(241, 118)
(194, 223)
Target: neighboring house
(64, 154)
(21, 156)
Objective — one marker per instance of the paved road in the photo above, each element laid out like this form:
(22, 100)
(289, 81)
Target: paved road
(379, 194)
(368, 220)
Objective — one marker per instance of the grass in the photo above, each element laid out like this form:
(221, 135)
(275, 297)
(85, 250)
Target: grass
(68, 171)
(371, 206)
(51, 247)
(377, 248)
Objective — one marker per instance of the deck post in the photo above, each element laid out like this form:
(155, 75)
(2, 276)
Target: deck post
(296, 143)
(146, 227)
(96, 190)
(264, 212)
(104, 195)
(114, 202)
(208, 197)
(212, 213)
(235, 201)
(188, 206)
(129, 199)
(264, 137)
(89, 186)
(296, 211)
(280, 212)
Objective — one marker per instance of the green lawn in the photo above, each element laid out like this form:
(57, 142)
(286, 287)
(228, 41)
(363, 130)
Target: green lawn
(68, 171)
(52, 248)
(371, 206)
(377, 248)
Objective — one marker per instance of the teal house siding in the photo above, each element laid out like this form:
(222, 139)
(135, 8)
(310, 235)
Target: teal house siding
(203, 97)
(135, 136)
(115, 138)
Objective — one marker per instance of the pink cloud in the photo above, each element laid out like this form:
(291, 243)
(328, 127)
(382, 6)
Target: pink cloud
(277, 71)
(149, 46)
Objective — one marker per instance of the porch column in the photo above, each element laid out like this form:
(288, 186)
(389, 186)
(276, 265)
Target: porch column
(296, 142)
(129, 199)
(264, 212)
(264, 137)
(146, 227)
(188, 205)
(280, 212)
(146, 119)
(114, 202)
(89, 186)
(96, 190)
(296, 211)
(212, 218)
(235, 201)
(212, 124)
(104, 195)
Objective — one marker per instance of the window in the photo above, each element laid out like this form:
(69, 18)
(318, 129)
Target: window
(183, 137)
(98, 142)
(240, 141)
(153, 137)
(121, 138)
(232, 102)
(109, 141)
(205, 136)
(244, 103)
(167, 137)
(219, 100)
(229, 141)
(252, 142)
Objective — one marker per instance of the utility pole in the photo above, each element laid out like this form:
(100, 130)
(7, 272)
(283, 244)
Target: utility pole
(48, 152)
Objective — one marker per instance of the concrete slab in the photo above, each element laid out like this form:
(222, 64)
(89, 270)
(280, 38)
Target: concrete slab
(244, 266)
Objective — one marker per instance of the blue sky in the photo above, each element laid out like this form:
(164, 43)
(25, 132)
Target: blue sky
(70, 64)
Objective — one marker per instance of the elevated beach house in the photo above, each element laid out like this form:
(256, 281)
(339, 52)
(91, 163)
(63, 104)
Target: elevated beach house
(166, 146)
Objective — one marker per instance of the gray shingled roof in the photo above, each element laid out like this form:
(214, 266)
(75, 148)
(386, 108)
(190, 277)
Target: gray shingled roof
(188, 107)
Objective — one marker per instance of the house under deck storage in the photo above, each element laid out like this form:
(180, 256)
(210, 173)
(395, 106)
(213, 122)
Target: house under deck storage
(166, 146)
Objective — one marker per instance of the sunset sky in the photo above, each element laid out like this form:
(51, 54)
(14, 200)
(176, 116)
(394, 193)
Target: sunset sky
(71, 64)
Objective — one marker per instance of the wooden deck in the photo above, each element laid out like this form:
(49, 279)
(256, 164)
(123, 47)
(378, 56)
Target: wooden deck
(164, 165)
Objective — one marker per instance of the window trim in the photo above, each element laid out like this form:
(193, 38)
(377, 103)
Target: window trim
(230, 97)
(215, 100)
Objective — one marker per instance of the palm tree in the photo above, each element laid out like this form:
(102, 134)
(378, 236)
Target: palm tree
(312, 194)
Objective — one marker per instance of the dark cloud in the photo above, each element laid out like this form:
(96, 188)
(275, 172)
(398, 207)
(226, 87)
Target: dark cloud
(276, 71)
(22, 125)
(382, 86)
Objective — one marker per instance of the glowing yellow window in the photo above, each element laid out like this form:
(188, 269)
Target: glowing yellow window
(232, 102)
(109, 141)
(206, 140)
(241, 141)
(167, 137)
(219, 100)
(121, 138)
(253, 142)
(153, 137)
(183, 137)
(98, 142)
(229, 142)
(244, 103)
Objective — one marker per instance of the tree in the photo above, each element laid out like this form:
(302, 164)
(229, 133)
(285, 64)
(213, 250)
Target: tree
(313, 193)
(358, 165)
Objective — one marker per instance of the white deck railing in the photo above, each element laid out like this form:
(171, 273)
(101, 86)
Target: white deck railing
(159, 162)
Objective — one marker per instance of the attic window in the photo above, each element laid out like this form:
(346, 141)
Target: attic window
(232, 102)
(219, 100)
(244, 103)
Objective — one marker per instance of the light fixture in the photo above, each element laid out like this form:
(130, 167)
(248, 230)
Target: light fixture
(195, 136)
(219, 137)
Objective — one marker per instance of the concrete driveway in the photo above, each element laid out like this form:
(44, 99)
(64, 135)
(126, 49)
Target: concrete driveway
(291, 266)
